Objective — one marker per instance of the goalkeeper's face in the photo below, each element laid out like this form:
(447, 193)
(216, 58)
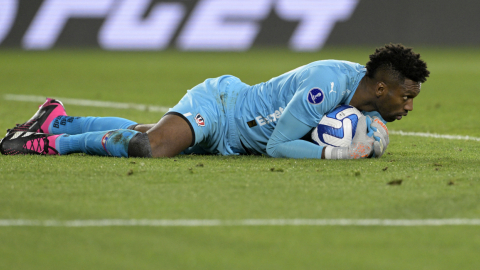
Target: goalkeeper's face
(397, 100)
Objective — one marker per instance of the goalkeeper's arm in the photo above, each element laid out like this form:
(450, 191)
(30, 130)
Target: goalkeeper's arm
(285, 140)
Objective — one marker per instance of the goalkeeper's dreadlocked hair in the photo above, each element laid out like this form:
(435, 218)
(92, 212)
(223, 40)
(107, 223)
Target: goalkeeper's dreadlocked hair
(401, 62)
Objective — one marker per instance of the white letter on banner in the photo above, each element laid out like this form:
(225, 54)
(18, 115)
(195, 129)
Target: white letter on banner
(126, 29)
(8, 11)
(317, 19)
(54, 14)
(223, 24)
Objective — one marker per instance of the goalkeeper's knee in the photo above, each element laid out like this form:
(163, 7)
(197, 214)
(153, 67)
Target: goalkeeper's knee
(139, 146)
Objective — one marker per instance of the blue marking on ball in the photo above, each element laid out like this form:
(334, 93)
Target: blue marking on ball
(337, 128)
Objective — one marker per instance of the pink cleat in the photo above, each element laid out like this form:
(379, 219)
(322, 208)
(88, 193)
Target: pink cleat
(40, 122)
(28, 143)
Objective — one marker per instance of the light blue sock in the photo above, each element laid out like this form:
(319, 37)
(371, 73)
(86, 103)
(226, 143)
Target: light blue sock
(100, 143)
(78, 125)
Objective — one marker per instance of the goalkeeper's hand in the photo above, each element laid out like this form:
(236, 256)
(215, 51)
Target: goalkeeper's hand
(361, 147)
(379, 131)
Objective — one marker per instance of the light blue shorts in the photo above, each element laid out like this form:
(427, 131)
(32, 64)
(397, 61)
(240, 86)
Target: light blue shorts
(209, 109)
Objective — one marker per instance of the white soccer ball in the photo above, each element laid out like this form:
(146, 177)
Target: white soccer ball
(337, 128)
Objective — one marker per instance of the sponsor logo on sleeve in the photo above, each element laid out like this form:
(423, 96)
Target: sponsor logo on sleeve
(315, 96)
(200, 121)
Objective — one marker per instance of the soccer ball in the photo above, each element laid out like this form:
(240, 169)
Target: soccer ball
(337, 128)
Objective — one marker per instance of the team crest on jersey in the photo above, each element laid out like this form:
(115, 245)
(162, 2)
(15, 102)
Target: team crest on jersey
(315, 96)
(200, 121)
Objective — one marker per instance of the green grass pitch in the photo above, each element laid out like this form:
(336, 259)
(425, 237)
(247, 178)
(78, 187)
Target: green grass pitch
(440, 177)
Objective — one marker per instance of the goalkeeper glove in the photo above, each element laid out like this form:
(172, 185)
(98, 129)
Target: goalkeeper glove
(380, 134)
(361, 146)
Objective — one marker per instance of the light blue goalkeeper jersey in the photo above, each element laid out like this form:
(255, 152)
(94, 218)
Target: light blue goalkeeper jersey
(292, 104)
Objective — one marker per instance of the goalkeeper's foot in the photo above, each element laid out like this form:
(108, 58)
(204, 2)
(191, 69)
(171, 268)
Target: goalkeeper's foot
(28, 143)
(41, 120)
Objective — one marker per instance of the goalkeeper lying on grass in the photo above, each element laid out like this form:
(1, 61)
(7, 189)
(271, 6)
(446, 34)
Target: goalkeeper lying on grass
(228, 117)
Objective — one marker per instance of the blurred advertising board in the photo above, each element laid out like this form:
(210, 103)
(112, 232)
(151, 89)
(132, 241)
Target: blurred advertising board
(233, 25)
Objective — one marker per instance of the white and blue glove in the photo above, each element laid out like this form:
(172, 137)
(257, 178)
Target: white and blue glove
(362, 145)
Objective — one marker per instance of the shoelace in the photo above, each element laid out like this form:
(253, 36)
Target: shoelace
(22, 127)
(36, 145)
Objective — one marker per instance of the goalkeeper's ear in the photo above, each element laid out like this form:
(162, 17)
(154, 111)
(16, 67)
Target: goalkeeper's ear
(380, 89)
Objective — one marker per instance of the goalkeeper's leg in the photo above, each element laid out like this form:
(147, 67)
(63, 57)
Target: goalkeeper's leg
(51, 118)
(116, 143)
(78, 125)
(168, 138)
